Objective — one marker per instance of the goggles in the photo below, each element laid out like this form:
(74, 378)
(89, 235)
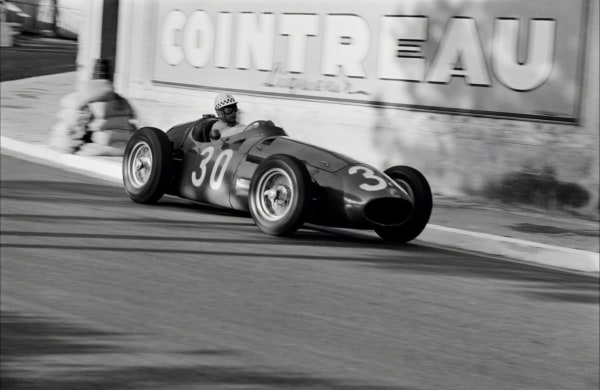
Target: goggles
(229, 109)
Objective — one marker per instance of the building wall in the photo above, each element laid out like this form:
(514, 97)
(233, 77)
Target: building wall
(480, 144)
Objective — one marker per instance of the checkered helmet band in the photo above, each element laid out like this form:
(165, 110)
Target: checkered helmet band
(223, 100)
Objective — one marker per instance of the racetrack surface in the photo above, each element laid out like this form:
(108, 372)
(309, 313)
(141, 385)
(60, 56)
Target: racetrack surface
(100, 292)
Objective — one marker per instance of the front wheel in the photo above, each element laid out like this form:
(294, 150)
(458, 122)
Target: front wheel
(147, 165)
(417, 187)
(280, 195)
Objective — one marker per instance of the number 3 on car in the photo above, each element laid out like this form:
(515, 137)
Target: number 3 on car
(218, 170)
(376, 183)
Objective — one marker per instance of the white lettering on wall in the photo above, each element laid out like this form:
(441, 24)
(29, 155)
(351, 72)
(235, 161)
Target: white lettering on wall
(198, 39)
(536, 67)
(255, 41)
(345, 45)
(520, 61)
(297, 27)
(460, 54)
(223, 40)
(523, 59)
(172, 36)
(399, 40)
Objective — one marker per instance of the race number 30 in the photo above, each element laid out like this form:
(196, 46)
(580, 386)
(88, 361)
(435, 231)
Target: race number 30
(218, 170)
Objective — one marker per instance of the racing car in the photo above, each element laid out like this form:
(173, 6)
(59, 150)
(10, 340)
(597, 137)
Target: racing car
(282, 182)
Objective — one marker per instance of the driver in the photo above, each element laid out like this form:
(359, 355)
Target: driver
(227, 125)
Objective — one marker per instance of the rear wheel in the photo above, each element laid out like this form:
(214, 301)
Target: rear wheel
(147, 165)
(413, 182)
(280, 195)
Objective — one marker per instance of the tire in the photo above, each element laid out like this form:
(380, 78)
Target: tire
(147, 165)
(418, 188)
(280, 195)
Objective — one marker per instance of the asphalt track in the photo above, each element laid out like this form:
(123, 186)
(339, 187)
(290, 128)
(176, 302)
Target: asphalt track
(99, 292)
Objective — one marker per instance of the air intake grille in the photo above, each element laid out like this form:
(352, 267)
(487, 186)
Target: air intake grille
(388, 211)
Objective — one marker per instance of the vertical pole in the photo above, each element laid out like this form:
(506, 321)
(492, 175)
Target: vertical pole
(108, 46)
(55, 17)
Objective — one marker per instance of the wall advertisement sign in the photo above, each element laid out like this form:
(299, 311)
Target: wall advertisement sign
(499, 58)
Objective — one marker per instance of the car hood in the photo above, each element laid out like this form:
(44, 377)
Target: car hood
(312, 155)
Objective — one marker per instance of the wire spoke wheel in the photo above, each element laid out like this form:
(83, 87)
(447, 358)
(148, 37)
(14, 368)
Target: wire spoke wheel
(280, 195)
(147, 165)
(275, 194)
(140, 164)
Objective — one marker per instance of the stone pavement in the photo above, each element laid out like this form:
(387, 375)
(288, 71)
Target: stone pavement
(28, 112)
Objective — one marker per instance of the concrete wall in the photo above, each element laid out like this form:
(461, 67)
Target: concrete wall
(548, 165)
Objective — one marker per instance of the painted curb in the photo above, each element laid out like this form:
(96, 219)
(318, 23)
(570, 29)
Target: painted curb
(511, 248)
(93, 165)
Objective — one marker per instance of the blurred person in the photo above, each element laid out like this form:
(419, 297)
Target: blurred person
(227, 112)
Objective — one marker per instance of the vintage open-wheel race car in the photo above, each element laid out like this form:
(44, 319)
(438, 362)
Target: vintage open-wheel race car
(282, 182)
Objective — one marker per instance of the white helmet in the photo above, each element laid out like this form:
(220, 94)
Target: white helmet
(223, 100)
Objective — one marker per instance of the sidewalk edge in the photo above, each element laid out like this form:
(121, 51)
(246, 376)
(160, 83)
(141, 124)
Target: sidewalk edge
(92, 165)
(514, 249)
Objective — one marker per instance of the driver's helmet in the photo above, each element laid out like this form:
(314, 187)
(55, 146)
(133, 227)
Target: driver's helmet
(224, 100)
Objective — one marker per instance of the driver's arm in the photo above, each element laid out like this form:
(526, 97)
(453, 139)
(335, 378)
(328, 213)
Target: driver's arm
(214, 134)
